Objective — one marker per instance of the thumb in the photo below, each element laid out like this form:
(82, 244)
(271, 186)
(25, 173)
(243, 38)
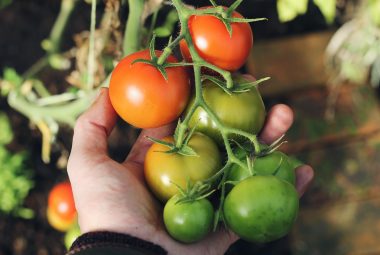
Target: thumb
(92, 130)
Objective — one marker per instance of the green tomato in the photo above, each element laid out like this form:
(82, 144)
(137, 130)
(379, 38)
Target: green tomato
(71, 235)
(261, 208)
(188, 222)
(276, 163)
(244, 111)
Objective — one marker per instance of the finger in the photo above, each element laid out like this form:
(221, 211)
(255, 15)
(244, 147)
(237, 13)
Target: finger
(142, 144)
(93, 128)
(279, 120)
(304, 176)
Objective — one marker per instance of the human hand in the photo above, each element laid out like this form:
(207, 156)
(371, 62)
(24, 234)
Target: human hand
(112, 196)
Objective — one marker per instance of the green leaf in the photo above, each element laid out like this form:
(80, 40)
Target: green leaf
(328, 9)
(6, 134)
(5, 3)
(289, 9)
(15, 184)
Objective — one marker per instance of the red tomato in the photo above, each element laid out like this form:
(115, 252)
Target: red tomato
(61, 202)
(142, 97)
(215, 45)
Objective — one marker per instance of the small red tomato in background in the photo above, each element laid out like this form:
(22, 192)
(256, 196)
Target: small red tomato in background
(215, 45)
(61, 203)
(140, 94)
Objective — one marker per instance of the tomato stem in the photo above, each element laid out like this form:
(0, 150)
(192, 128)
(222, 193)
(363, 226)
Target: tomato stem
(169, 49)
(132, 35)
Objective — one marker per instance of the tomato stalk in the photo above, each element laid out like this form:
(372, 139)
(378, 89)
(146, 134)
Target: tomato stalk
(184, 14)
(132, 35)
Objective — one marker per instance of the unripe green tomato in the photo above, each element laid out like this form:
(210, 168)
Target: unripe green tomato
(188, 222)
(244, 111)
(71, 235)
(261, 208)
(276, 163)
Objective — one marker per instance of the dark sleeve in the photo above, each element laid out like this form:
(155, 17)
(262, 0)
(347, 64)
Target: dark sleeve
(109, 243)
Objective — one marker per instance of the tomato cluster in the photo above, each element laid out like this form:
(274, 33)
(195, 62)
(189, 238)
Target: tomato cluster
(258, 201)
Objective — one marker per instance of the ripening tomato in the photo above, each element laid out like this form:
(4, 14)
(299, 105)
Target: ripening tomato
(57, 222)
(261, 208)
(140, 94)
(215, 45)
(61, 201)
(243, 110)
(164, 170)
(190, 221)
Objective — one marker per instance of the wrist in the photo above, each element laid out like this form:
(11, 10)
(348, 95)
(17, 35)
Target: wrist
(113, 241)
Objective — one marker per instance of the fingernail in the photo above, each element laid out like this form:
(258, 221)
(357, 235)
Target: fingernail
(98, 96)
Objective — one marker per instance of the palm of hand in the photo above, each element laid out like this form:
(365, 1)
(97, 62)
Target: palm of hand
(112, 196)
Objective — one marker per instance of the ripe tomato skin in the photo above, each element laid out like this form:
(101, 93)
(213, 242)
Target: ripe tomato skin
(61, 202)
(215, 45)
(188, 222)
(261, 208)
(162, 170)
(245, 111)
(141, 95)
(276, 162)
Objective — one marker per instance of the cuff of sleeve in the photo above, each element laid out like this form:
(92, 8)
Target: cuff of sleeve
(104, 239)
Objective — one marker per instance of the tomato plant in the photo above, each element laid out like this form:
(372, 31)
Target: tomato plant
(240, 110)
(164, 170)
(261, 208)
(142, 96)
(188, 221)
(214, 43)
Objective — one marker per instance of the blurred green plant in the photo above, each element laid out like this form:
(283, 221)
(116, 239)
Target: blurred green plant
(4, 3)
(290, 9)
(353, 53)
(15, 178)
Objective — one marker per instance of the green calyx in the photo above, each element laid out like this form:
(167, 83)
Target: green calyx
(193, 192)
(160, 62)
(181, 148)
(238, 87)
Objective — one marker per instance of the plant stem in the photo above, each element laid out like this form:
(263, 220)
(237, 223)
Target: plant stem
(36, 67)
(132, 35)
(56, 34)
(66, 114)
(169, 49)
(91, 49)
